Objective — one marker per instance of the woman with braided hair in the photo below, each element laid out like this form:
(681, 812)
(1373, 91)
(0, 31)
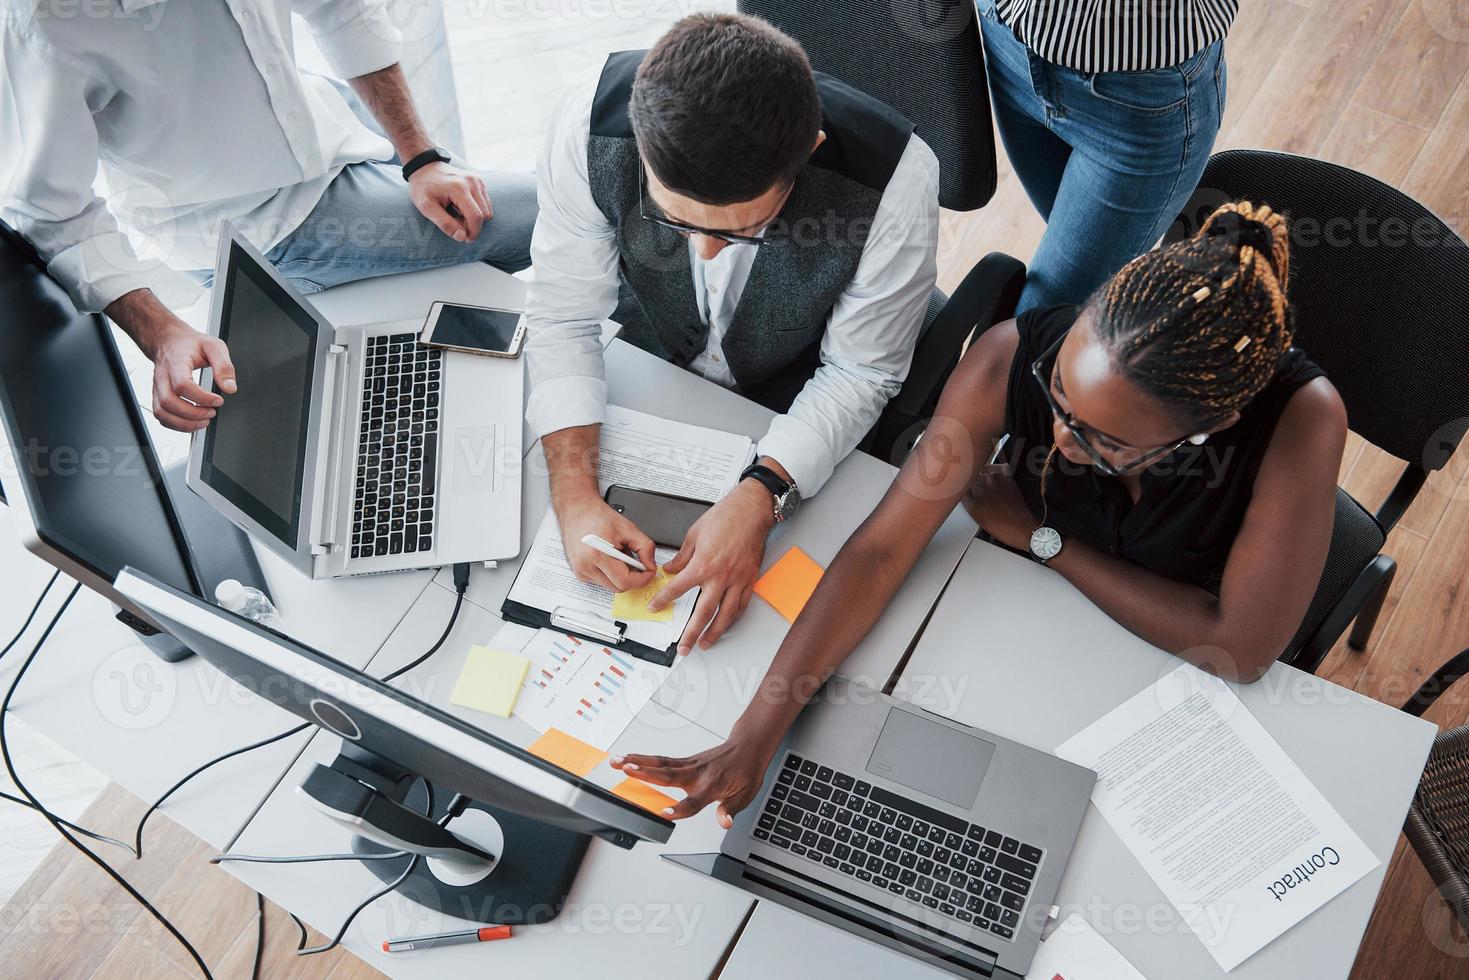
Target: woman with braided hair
(1164, 448)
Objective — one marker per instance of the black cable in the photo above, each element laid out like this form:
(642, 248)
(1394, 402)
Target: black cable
(259, 936)
(303, 858)
(100, 838)
(352, 915)
(35, 608)
(300, 943)
(461, 584)
(138, 833)
(53, 820)
(453, 617)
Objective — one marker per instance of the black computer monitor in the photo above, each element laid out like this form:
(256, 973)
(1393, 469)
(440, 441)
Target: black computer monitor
(76, 464)
(393, 745)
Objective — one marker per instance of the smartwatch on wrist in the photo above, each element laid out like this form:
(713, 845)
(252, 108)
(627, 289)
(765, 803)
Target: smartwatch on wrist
(436, 154)
(1045, 544)
(787, 497)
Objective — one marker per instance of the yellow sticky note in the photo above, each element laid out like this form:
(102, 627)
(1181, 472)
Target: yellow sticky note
(639, 793)
(789, 583)
(490, 681)
(632, 605)
(567, 751)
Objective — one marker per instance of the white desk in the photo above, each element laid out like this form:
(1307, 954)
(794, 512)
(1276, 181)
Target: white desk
(1032, 659)
(143, 724)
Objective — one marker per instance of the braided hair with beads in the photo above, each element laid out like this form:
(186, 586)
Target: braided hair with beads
(1201, 324)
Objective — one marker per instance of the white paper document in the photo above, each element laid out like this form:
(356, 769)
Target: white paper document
(652, 453)
(583, 688)
(646, 453)
(1239, 840)
(1075, 951)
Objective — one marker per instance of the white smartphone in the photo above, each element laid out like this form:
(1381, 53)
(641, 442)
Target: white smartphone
(474, 329)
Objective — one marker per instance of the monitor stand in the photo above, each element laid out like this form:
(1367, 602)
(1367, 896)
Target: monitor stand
(493, 866)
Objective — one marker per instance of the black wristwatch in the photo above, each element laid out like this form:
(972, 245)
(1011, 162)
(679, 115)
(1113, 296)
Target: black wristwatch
(436, 154)
(787, 497)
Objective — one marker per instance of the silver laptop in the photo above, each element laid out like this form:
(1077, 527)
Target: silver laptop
(916, 832)
(355, 449)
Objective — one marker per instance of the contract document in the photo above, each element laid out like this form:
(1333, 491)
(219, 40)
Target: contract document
(1232, 831)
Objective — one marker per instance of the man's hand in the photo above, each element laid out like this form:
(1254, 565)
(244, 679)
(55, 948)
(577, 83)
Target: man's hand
(721, 555)
(454, 200)
(592, 515)
(177, 350)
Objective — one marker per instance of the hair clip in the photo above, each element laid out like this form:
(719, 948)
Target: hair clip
(1201, 294)
(1242, 343)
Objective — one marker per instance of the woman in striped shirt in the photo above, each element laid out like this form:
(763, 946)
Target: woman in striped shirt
(1108, 110)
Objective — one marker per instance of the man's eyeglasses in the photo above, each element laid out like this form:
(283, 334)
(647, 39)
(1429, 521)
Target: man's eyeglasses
(683, 229)
(1044, 371)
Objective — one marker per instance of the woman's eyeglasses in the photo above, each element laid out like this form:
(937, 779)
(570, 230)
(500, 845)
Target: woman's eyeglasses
(1044, 370)
(683, 229)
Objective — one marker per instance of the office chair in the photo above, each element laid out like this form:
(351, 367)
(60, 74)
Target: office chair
(1438, 821)
(923, 58)
(1379, 287)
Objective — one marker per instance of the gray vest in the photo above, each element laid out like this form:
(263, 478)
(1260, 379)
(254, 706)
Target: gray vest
(812, 250)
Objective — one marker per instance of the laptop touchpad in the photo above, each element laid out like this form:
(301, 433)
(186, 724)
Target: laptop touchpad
(476, 459)
(931, 758)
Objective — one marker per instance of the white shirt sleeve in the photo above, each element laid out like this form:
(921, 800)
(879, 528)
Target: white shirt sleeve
(46, 175)
(356, 37)
(574, 254)
(872, 330)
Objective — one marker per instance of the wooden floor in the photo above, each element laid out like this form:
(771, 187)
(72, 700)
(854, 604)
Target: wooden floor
(1379, 85)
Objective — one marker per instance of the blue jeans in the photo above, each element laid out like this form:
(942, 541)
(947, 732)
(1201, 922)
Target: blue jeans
(1107, 158)
(365, 226)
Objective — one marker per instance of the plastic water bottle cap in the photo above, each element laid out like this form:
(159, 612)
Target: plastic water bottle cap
(230, 594)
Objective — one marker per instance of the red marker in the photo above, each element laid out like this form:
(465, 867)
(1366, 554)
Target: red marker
(485, 935)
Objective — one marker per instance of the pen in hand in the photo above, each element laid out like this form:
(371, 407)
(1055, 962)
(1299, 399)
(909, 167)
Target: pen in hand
(605, 547)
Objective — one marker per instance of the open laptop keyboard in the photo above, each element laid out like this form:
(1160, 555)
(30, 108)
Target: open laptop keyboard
(962, 870)
(398, 448)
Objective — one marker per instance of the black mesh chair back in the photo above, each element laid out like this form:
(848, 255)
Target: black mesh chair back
(1380, 289)
(921, 57)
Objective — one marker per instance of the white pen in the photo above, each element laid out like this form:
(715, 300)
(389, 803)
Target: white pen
(600, 544)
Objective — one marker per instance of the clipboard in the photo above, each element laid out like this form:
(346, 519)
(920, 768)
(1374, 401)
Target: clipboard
(588, 626)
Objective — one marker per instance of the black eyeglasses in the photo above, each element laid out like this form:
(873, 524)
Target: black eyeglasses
(1043, 376)
(683, 229)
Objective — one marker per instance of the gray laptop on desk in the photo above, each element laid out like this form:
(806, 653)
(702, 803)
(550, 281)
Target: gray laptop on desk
(355, 449)
(938, 840)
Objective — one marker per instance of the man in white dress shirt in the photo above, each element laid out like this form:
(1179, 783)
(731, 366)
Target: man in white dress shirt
(197, 113)
(770, 229)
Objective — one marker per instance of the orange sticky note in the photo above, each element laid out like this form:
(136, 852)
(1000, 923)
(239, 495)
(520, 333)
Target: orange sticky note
(640, 793)
(566, 751)
(789, 583)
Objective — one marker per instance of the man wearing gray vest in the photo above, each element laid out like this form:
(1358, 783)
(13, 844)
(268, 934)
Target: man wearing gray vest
(766, 227)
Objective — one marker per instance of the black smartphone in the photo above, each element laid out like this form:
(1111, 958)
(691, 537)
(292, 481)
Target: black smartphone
(661, 516)
(474, 329)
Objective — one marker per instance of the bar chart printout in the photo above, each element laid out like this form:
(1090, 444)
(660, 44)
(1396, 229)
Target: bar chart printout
(584, 688)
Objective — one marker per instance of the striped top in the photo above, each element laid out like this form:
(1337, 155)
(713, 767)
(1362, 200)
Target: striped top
(1117, 35)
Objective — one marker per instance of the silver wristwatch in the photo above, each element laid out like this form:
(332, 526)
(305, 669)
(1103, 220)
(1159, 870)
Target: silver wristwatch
(1045, 544)
(787, 497)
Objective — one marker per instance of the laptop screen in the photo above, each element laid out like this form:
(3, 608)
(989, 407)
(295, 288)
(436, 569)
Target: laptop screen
(255, 447)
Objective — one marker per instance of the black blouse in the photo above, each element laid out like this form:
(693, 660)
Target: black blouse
(1192, 502)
